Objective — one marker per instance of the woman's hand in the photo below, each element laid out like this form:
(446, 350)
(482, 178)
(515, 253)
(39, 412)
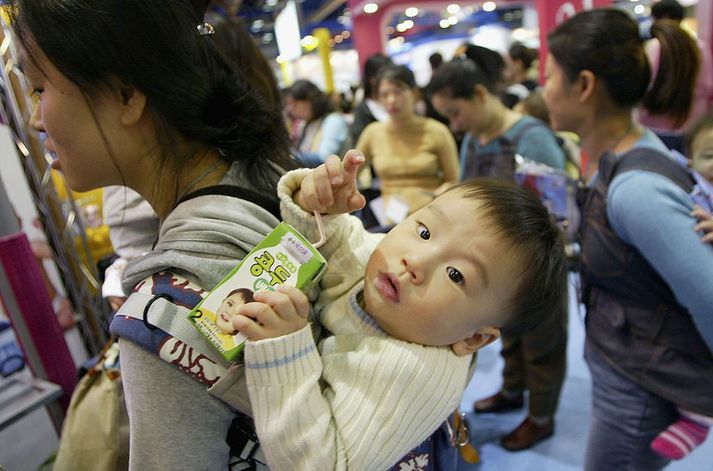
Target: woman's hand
(705, 223)
(274, 314)
(331, 188)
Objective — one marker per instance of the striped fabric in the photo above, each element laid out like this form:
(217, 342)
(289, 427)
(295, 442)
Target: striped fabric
(679, 439)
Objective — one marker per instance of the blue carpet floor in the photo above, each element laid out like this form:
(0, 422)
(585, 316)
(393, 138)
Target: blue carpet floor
(565, 450)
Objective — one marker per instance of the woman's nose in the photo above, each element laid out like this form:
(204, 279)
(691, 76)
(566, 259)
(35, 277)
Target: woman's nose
(36, 118)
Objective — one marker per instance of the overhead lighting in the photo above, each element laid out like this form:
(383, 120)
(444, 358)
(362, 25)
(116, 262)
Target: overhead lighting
(309, 42)
(346, 34)
(257, 25)
(453, 8)
(444, 23)
(370, 8)
(408, 24)
(411, 12)
(639, 9)
(338, 38)
(452, 20)
(489, 6)
(396, 42)
(401, 27)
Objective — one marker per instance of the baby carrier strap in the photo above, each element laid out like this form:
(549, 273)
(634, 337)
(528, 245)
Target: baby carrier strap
(510, 143)
(649, 160)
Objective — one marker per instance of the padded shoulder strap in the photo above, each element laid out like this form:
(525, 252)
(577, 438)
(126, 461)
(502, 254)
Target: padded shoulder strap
(254, 197)
(509, 144)
(529, 124)
(647, 159)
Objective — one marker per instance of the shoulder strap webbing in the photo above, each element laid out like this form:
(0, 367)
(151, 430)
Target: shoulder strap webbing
(172, 319)
(647, 159)
(254, 197)
(530, 124)
(508, 144)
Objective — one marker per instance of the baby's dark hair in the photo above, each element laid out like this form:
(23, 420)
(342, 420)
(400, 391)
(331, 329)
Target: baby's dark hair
(244, 292)
(537, 244)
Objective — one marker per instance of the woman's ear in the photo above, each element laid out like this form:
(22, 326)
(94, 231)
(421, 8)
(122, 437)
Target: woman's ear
(133, 104)
(586, 83)
(481, 93)
(476, 341)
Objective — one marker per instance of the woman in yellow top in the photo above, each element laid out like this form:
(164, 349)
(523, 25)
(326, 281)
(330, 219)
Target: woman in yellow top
(414, 157)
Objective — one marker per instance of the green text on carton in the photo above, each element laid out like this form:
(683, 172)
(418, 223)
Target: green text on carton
(284, 257)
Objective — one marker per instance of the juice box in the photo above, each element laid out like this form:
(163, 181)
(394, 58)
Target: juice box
(283, 257)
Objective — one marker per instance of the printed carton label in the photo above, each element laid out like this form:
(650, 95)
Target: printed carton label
(284, 257)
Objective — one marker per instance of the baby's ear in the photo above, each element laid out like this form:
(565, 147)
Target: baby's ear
(476, 341)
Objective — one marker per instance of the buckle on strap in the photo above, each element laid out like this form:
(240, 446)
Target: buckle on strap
(148, 307)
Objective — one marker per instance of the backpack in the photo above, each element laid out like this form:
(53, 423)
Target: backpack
(557, 189)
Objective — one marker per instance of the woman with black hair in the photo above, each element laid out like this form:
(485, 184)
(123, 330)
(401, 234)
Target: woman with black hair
(693, 99)
(369, 108)
(519, 62)
(647, 278)
(414, 157)
(136, 93)
(325, 131)
(467, 91)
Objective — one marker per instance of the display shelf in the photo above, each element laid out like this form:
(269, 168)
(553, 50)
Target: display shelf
(21, 394)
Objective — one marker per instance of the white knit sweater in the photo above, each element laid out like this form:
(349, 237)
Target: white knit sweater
(361, 399)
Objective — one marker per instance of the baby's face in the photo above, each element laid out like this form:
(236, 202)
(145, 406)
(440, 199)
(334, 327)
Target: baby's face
(441, 275)
(226, 311)
(702, 154)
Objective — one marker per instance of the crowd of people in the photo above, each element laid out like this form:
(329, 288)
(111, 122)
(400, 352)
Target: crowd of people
(364, 372)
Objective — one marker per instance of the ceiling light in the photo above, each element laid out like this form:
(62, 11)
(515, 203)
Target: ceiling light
(370, 8)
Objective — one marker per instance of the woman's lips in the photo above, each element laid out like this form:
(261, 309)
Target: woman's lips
(225, 318)
(55, 164)
(388, 286)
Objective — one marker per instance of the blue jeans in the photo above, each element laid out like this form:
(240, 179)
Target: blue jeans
(625, 418)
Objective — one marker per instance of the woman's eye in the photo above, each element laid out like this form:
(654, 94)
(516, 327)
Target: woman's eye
(423, 232)
(455, 275)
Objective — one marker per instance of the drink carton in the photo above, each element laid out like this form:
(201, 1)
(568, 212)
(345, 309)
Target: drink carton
(284, 257)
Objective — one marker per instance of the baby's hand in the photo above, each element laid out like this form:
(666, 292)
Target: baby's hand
(275, 313)
(705, 223)
(331, 188)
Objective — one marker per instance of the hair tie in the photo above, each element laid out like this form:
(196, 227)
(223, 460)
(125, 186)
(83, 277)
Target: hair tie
(206, 29)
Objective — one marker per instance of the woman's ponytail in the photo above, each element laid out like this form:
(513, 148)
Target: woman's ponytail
(672, 90)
